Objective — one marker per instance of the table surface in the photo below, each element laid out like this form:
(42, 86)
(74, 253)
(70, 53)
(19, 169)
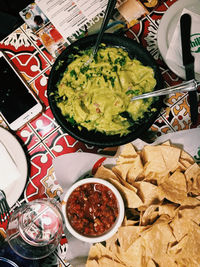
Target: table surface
(43, 139)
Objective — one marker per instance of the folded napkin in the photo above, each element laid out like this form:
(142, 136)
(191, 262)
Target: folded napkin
(9, 172)
(174, 52)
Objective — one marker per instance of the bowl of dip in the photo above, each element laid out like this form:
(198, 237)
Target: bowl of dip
(92, 103)
(93, 210)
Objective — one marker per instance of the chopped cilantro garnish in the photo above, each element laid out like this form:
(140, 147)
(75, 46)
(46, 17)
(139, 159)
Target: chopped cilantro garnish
(132, 92)
(73, 74)
(120, 60)
(112, 80)
(109, 59)
(72, 121)
(114, 68)
(84, 69)
(105, 78)
(88, 75)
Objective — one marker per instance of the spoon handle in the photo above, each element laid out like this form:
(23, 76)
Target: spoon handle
(184, 87)
(109, 9)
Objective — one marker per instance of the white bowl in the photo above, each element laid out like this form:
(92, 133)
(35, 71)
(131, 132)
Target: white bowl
(117, 222)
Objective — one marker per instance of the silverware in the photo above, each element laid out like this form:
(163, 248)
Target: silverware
(188, 86)
(4, 207)
(188, 62)
(109, 9)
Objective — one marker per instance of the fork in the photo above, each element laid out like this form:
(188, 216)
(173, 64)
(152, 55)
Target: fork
(187, 86)
(108, 12)
(4, 207)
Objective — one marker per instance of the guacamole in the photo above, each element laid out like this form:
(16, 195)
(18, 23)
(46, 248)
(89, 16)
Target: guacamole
(95, 95)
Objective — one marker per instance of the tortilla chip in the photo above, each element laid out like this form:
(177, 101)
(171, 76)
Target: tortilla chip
(190, 201)
(168, 209)
(174, 188)
(186, 164)
(104, 261)
(188, 246)
(149, 215)
(171, 156)
(122, 169)
(135, 170)
(187, 262)
(92, 263)
(127, 222)
(181, 167)
(128, 150)
(156, 178)
(151, 263)
(103, 173)
(111, 243)
(131, 199)
(184, 155)
(192, 213)
(98, 251)
(128, 234)
(192, 175)
(121, 160)
(156, 241)
(124, 182)
(135, 251)
(180, 227)
(101, 256)
(149, 193)
(174, 248)
(166, 143)
(149, 219)
(153, 158)
(164, 218)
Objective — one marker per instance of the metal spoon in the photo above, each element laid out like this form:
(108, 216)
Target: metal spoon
(109, 9)
(184, 87)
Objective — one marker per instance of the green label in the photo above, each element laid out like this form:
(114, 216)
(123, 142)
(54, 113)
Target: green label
(195, 42)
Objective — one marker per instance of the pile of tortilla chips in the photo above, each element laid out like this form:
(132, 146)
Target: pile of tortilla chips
(160, 186)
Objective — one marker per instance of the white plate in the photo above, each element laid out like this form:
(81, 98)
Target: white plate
(81, 163)
(167, 27)
(16, 152)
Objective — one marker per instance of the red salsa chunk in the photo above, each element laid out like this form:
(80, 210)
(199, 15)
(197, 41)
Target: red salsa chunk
(92, 209)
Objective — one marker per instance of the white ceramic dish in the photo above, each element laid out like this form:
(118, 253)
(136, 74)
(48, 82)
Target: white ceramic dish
(167, 27)
(16, 152)
(117, 223)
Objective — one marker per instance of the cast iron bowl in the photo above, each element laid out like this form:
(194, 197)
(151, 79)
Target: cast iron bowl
(135, 50)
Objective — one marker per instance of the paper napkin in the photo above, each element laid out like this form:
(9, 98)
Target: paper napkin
(9, 172)
(174, 52)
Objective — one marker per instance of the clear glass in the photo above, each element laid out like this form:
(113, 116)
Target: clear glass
(35, 229)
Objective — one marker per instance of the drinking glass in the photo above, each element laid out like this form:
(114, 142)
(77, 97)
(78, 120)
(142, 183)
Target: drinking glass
(35, 229)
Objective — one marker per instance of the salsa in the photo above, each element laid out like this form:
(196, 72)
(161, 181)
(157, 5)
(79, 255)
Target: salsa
(92, 209)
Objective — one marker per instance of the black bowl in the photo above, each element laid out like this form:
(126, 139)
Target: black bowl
(134, 50)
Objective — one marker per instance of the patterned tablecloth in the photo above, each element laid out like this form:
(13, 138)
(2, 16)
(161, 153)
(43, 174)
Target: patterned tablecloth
(43, 139)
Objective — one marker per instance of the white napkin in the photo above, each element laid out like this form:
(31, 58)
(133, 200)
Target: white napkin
(72, 166)
(9, 172)
(174, 52)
